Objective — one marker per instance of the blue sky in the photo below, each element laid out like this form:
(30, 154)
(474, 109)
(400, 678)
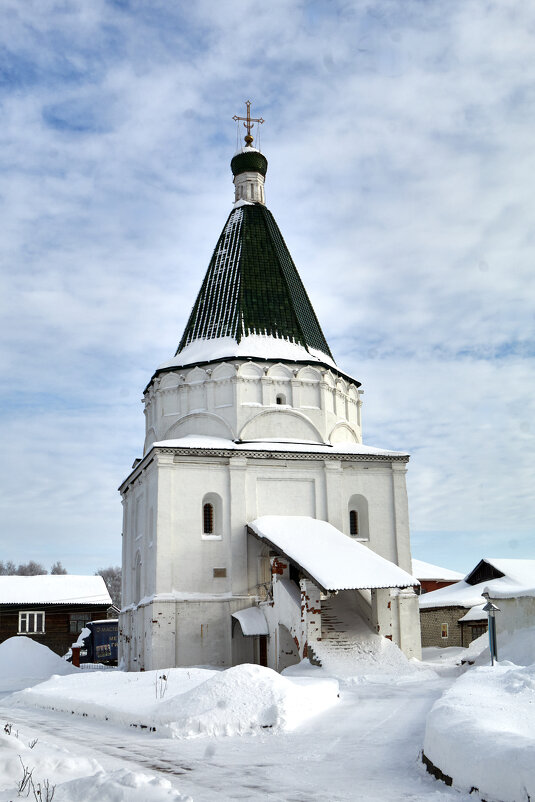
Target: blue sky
(401, 155)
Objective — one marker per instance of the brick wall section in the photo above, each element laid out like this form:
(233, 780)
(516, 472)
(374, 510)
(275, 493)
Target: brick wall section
(431, 623)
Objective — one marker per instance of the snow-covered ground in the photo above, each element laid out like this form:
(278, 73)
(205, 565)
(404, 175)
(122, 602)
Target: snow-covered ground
(245, 733)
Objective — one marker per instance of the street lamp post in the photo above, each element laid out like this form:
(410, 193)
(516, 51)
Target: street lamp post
(491, 610)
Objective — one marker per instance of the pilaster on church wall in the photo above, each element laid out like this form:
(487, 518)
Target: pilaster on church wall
(239, 512)
(381, 614)
(164, 547)
(333, 488)
(400, 506)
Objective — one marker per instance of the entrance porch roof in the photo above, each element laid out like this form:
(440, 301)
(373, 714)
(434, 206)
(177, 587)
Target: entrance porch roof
(332, 560)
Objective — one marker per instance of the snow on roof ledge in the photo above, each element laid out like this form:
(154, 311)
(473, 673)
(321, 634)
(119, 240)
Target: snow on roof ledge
(332, 560)
(252, 621)
(203, 441)
(260, 346)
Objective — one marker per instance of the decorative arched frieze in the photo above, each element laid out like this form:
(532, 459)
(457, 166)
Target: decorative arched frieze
(250, 370)
(328, 379)
(203, 423)
(196, 375)
(342, 433)
(280, 371)
(277, 424)
(223, 371)
(309, 374)
(169, 381)
(149, 439)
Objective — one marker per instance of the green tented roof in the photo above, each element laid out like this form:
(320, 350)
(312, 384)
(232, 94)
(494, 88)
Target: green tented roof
(252, 287)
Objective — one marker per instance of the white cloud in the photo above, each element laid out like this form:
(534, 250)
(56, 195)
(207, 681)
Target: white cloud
(399, 137)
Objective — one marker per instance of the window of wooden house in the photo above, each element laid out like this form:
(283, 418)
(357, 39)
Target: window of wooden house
(31, 622)
(353, 523)
(478, 630)
(208, 519)
(77, 622)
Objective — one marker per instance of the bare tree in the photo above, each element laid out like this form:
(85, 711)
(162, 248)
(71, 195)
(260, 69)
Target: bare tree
(8, 569)
(112, 578)
(57, 568)
(31, 569)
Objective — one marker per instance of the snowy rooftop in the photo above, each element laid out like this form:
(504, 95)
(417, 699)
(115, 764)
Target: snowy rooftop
(474, 614)
(330, 558)
(424, 570)
(518, 580)
(257, 346)
(194, 441)
(53, 589)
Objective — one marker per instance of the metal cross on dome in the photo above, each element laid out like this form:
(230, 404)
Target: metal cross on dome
(249, 123)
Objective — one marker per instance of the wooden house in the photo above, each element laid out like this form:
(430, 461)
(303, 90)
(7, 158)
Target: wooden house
(51, 609)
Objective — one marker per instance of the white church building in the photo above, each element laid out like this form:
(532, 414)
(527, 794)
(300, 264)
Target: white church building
(257, 527)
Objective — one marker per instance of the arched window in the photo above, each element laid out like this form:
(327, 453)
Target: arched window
(358, 518)
(212, 517)
(281, 399)
(208, 519)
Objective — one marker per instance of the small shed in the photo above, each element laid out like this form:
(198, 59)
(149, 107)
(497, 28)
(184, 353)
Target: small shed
(51, 609)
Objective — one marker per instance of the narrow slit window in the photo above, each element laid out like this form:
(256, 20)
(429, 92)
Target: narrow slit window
(281, 399)
(353, 523)
(208, 519)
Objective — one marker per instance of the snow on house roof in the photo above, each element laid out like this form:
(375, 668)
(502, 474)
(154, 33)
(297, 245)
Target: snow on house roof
(423, 570)
(252, 621)
(460, 594)
(331, 559)
(194, 441)
(54, 589)
(518, 580)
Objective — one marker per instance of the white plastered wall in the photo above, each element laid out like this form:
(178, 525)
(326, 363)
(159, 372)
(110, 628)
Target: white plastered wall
(181, 560)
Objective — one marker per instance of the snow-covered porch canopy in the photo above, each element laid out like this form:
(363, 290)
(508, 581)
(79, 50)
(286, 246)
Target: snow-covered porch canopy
(252, 621)
(332, 560)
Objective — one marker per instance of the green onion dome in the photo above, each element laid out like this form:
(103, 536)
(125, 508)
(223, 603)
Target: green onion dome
(249, 160)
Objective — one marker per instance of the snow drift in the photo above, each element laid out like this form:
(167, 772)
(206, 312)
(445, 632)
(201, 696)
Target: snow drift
(481, 732)
(188, 702)
(24, 662)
